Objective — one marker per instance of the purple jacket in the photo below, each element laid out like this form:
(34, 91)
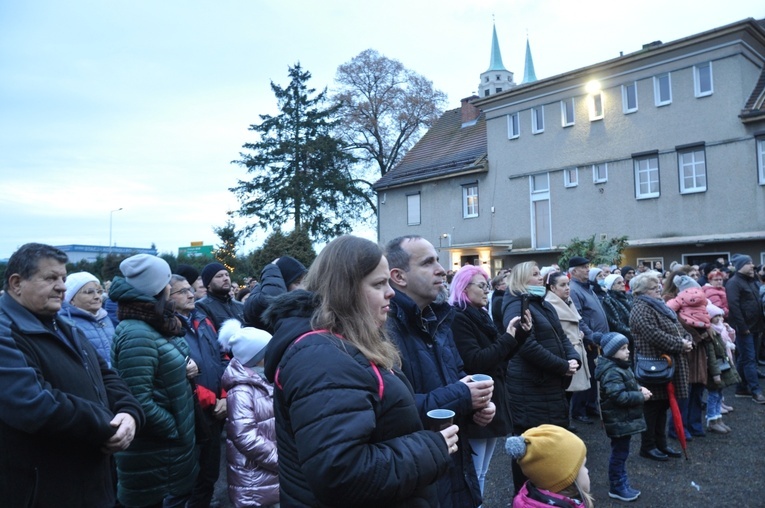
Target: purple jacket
(253, 477)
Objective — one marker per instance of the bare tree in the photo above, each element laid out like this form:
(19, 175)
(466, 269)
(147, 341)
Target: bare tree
(384, 107)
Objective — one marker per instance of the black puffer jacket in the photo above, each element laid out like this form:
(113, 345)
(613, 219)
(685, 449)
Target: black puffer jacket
(536, 375)
(621, 401)
(744, 303)
(484, 351)
(348, 434)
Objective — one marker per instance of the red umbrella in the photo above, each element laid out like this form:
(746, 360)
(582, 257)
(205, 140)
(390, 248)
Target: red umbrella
(677, 419)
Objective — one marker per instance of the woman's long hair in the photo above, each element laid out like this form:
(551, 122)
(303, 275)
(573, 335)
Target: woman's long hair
(517, 282)
(462, 278)
(335, 277)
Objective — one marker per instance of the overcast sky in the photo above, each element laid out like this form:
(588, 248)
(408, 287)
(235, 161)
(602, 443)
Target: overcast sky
(141, 105)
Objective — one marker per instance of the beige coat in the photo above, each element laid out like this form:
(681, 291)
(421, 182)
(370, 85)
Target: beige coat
(569, 320)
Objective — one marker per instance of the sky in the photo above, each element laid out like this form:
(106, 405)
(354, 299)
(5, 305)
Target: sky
(142, 105)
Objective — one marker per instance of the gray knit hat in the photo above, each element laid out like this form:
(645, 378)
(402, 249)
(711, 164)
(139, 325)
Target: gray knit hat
(684, 282)
(611, 342)
(148, 274)
(739, 260)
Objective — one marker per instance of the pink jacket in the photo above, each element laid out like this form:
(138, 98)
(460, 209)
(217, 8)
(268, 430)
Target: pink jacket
(253, 478)
(717, 296)
(523, 500)
(691, 307)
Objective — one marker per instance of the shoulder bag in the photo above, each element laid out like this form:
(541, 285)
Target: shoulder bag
(655, 371)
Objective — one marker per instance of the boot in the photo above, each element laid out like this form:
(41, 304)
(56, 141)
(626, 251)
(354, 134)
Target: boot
(716, 426)
(726, 407)
(724, 424)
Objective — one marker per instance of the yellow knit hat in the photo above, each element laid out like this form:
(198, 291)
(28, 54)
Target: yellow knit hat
(553, 457)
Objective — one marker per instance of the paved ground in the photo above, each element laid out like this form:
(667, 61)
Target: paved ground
(728, 470)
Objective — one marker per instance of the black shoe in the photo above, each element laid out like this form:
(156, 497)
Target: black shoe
(743, 393)
(584, 419)
(761, 363)
(572, 428)
(654, 454)
(669, 452)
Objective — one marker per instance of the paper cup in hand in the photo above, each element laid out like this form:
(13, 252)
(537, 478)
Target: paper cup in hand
(439, 419)
(480, 377)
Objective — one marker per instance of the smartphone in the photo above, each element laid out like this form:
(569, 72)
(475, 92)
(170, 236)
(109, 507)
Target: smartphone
(524, 308)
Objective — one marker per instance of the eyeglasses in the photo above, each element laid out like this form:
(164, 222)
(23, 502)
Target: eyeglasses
(190, 291)
(655, 288)
(482, 285)
(90, 292)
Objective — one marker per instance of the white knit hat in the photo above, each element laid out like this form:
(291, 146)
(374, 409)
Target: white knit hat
(610, 279)
(246, 344)
(75, 281)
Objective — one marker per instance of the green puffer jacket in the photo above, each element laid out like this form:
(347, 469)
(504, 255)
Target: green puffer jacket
(621, 401)
(161, 460)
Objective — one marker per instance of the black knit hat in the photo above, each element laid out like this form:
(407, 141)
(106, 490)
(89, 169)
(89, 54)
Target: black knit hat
(291, 269)
(209, 271)
(188, 272)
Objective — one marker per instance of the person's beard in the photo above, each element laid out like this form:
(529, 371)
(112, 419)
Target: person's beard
(443, 295)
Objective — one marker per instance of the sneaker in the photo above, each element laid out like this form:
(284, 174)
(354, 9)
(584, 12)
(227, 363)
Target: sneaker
(623, 493)
(743, 393)
(724, 425)
(758, 398)
(724, 411)
(717, 427)
(726, 407)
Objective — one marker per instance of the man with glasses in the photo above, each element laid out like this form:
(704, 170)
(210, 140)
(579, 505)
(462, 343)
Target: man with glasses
(746, 318)
(210, 364)
(594, 324)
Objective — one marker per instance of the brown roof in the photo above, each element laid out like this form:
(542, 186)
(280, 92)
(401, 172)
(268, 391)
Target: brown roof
(446, 149)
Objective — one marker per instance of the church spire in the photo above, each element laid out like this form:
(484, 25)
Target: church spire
(496, 79)
(496, 55)
(529, 76)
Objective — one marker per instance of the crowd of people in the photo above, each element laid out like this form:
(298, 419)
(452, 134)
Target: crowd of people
(330, 384)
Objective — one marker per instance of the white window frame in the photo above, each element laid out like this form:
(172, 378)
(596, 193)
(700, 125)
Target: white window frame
(538, 120)
(761, 160)
(413, 210)
(697, 79)
(470, 201)
(564, 117)
(596, 106)
(694, 160)
(540, 194)
(513, 125)
(596, 170)
(659, 99)
(626, 97)
(647, 186)
(570, 177)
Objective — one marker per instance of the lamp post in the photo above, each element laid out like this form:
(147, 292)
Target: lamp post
(111, 213)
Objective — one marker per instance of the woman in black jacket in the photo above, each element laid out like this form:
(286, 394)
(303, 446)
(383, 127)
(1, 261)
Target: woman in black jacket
(347, 427)
(484, 351)
(538, 375)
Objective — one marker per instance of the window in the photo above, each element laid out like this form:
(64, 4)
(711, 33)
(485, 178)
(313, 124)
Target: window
(647, 177)
(413, 209)
(570, 177)
(761, 160)
(567, 112)
(538, 119)
(600, 173)
(497, 90)
(692, 169)
(596, 106)
(541, 226)
(470, 201)
(702, 79)
(513, 126)
(629, 98)
(662, 89)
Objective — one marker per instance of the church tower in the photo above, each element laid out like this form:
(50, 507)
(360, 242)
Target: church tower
(529, 76)
(496, 79)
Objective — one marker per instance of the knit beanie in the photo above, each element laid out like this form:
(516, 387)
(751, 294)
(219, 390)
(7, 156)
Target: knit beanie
(594, 273)
(549, 456)
(148, 274)
(611, 342)
(75, 281)
(248, 344)
(626, 268)
(291, 269)
(188, 272)
(739, 260)
(714, 310)
(209, 271)
(610, 279)
(684, 282)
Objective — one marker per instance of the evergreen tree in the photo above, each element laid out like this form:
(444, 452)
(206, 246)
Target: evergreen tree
(226, 251)
(300, 170)
(296, 244)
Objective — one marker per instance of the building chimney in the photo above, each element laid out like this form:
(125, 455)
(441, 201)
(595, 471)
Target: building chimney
(469, 112)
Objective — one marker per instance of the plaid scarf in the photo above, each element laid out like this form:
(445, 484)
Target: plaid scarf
(166, 323)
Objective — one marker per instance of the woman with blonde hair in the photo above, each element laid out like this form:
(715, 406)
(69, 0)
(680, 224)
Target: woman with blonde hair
(347, 426)
(542, 369)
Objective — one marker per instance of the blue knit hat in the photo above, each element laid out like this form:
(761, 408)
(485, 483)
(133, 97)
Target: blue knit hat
(611, 342)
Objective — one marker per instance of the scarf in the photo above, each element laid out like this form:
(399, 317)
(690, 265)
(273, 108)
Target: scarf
(167, 323)
(659, 306)
(481, 318)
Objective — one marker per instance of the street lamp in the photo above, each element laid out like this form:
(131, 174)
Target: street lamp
(111, 213)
